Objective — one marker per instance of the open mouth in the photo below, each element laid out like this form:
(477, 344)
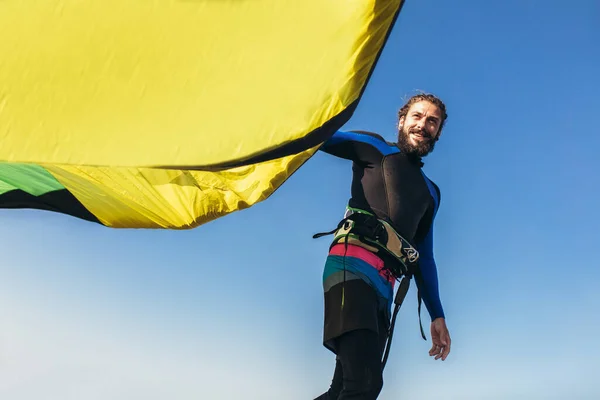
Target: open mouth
(419, 136)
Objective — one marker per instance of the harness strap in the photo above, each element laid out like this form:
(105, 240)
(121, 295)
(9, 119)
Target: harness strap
(419, 311)
(398, 300)
(331, 232)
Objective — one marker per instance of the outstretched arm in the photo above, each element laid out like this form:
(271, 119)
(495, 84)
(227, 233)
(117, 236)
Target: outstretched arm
(360, 147)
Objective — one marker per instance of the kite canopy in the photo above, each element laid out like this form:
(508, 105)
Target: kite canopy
(169, 113)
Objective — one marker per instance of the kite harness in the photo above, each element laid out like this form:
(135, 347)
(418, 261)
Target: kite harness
(364, 229)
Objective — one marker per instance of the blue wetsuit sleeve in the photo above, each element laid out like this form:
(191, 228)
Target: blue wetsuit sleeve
(356, 146)
(427, 280)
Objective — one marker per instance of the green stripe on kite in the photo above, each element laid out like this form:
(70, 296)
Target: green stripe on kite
(29, 178)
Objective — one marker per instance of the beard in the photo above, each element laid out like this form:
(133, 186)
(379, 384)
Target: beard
(420, 149)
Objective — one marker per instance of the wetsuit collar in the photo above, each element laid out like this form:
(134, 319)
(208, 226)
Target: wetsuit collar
(413, 158)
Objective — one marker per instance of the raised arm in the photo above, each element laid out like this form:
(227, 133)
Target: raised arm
(360, 147)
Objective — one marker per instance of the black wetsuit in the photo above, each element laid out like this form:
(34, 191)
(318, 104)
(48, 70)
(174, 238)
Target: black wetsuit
(391, 185)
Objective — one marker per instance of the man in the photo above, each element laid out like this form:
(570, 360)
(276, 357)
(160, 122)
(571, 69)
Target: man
(396, 203)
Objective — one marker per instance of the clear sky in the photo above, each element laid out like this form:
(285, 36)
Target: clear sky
(233, 309)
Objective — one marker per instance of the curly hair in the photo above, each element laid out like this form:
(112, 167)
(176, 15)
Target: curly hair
(425, 97)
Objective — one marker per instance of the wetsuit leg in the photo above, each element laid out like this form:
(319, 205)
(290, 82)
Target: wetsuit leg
(357, 350)
(359, 357)
(336, 383)
(355, 329)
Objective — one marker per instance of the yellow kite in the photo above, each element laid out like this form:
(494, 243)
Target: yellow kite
(171, 113)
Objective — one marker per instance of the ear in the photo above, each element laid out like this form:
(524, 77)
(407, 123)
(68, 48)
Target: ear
(401, 122)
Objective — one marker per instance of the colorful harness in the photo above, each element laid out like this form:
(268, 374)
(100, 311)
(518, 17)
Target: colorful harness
(364, 229)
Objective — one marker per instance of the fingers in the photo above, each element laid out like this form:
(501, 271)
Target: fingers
(447, 347)
(440, 347)
(436, 350)
(445, 353)
(440, 338)
(439, 352)
(445, 350)
(432, 350)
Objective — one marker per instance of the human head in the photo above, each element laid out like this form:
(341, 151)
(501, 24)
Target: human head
(420, 123)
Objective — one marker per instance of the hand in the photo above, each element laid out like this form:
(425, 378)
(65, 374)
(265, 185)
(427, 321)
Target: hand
(440, 338)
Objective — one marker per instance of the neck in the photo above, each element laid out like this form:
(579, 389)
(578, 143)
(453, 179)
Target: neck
(415, 159)
(411, 156)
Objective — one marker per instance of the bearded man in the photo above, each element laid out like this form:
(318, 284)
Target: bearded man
(386, 234)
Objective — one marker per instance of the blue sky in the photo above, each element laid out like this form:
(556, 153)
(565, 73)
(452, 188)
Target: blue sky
(233, 309)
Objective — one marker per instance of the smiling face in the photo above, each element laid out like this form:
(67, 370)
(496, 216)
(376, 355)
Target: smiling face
(419, 129)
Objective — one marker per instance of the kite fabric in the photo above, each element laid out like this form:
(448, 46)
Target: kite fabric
(143, 197)
(168, 114)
